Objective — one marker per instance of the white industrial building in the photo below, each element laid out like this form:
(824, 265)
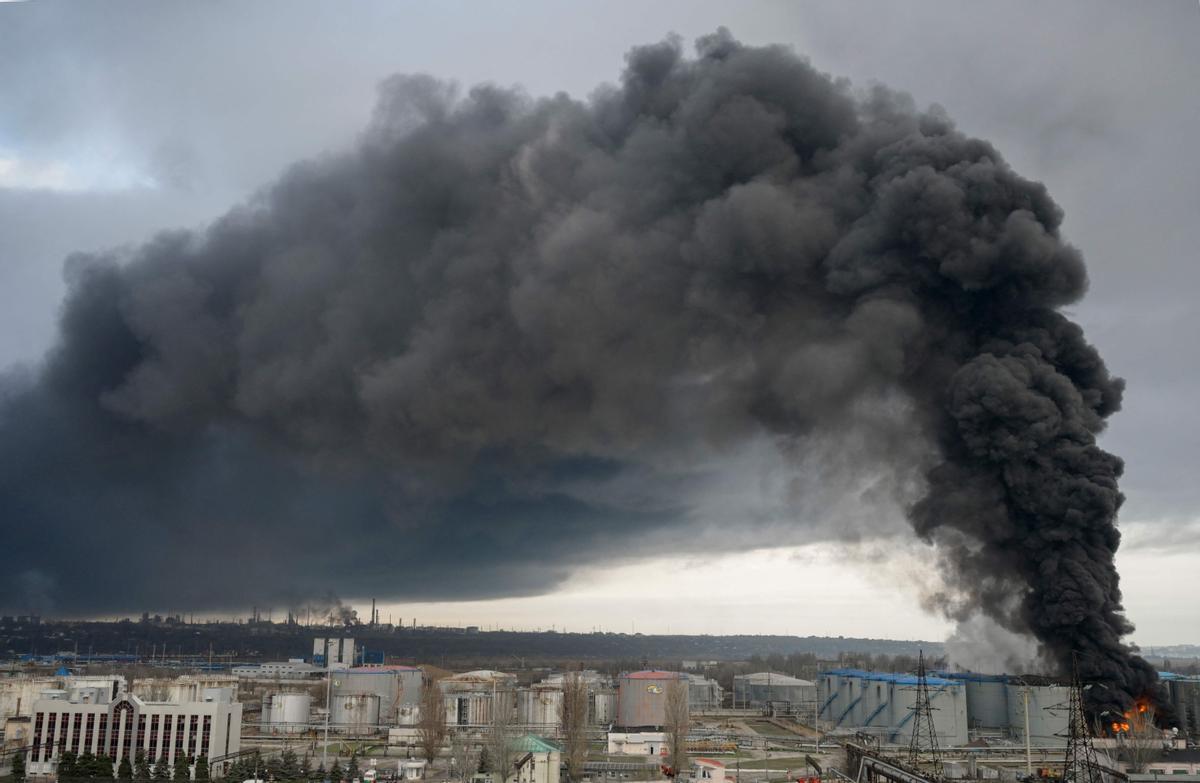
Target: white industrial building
(293, 669)
(334, 653)
(636, 743)
(538, 761)
(91, 720)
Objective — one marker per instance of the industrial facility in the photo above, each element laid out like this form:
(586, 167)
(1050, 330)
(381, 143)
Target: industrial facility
(763, 688)
(1011, 722)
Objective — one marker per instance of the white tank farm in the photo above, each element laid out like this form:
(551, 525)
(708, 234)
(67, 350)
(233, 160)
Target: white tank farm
(882, 704)
(1048, 714)
(357, 713)
(287, 713)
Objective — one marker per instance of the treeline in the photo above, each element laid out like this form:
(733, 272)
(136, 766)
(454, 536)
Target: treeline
(100, 767)
(275, 641)
(288, 767)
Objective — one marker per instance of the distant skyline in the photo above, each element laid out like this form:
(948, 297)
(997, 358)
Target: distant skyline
(119, 121)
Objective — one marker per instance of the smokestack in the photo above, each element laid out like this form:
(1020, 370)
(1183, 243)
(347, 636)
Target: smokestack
(496, 314)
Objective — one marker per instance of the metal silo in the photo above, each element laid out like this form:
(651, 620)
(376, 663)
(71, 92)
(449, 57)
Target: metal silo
(642, 698)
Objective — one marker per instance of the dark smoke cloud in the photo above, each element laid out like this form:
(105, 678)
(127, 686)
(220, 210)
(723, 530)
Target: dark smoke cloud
(406, 370)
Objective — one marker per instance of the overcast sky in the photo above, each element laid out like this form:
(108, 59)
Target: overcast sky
(120, 119)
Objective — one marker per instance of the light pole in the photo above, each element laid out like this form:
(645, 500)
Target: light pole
(328, 711)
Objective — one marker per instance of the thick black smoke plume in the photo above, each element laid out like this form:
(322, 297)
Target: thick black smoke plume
(451, 362)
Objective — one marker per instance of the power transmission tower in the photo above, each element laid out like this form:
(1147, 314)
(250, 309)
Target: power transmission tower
(1080, 765)
(923, 746)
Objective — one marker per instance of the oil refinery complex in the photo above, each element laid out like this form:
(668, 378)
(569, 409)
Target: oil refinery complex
(847, 724)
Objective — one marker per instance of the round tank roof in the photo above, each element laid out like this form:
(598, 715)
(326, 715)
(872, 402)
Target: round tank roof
(652, 674)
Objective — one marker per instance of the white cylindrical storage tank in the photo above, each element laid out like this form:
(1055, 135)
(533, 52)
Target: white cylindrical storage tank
(850, 714)
(356, 712)
(539, 706)
(987, 699)
(411, 682)
(604, 707)
(948, 700)
(827, 690)
(290, 712)
(874, 696)
(1048, 713)
(847, 691)
(902, 700)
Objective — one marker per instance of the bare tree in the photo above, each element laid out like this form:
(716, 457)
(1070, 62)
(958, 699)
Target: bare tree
(676, 724)
(501, 753)
(462, 756)
(431, 723)
(1139, 740)
(573, 715)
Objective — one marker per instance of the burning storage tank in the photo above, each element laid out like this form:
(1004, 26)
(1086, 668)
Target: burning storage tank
(286, 713)
(356, 713)
(755, 690)
(642, 698)
(1048, 710)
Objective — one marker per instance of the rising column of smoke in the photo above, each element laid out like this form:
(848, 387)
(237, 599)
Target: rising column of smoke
(443, 343)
